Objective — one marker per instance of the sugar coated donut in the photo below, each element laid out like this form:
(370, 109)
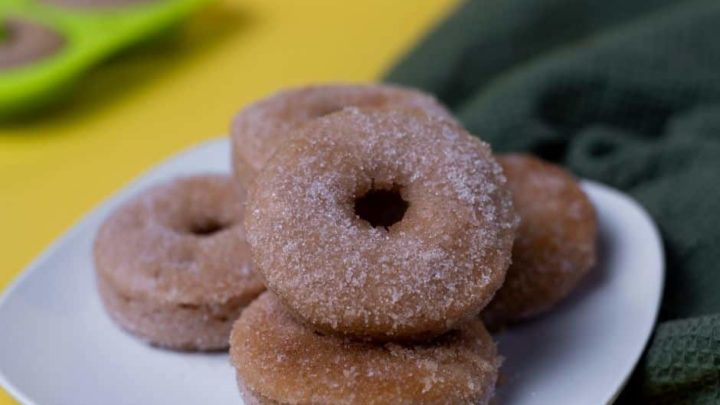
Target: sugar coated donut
(173, 266)
(23, 42)
(261, 127)
(382, 224)
(280, 361)
(555, 245)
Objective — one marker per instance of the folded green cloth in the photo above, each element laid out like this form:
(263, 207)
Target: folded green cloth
(626, 92)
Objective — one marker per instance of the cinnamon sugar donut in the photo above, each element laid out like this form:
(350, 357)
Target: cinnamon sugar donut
(260, 128)
(173, 266)
(23, 42)
(555, 245)
(382, 224)
(279, 361)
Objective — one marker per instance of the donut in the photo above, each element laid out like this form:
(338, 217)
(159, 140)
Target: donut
(555, 245)
(96, 3)
(260, 128)
(23, 41)
(381, 224)
(173, 266)
(280, 361)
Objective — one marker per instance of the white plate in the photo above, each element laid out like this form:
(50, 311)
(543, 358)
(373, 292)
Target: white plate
(57, 346)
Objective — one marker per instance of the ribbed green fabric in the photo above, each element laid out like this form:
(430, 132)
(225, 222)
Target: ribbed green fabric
(626, 92)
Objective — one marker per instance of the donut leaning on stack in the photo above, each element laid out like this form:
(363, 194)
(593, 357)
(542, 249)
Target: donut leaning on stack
(381, 234)
(318, 236)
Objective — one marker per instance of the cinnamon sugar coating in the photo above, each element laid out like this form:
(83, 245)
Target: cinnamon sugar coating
(280, 361)
(556, 241)
(261, 127)
(438, 265)
(173, 266)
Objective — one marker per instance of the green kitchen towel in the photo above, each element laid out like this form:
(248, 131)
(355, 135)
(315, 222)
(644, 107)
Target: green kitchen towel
(626, 92)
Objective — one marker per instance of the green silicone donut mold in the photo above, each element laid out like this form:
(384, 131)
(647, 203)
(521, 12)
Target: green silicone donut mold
(90, 35)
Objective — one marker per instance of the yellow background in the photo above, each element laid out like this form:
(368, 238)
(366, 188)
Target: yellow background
(143, 106)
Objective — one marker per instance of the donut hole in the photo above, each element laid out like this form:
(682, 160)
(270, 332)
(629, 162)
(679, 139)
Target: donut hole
(207, 226)
(381, 207)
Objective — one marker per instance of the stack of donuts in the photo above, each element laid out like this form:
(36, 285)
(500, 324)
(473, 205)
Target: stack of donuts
(386, 235)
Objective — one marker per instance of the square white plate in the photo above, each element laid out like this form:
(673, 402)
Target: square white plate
(57, 346)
